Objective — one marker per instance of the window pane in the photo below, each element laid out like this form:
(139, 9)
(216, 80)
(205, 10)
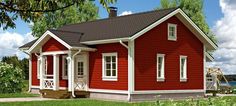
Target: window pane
(80, 68)
(114, 66)
(108, 66)
(108, 72)
(113, 58)
(113, 72)
(65, 67)
(182, 67)
(108, 59)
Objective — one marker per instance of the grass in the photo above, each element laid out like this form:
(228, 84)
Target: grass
(219, 101)
(24, 93)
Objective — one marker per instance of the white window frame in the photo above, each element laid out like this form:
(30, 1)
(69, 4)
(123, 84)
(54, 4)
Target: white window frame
(184, 78)
(162, 77)
(63, 67)
(109, 78)
(175, 32)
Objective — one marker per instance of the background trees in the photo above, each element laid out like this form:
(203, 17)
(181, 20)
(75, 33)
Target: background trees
(73, 14)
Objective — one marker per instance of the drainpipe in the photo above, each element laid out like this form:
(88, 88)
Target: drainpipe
(127, 47)
(30, 78)
(122, 43)
(72, 74)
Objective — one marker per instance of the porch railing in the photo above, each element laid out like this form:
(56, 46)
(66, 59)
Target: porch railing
(48, 82)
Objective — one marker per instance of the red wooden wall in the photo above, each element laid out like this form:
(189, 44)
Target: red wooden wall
(95, 67)
(156, 41)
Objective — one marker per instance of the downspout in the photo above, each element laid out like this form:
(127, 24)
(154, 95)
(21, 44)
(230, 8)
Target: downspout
(72, 74)
(122, 43)
(29, 89)
(127, 47)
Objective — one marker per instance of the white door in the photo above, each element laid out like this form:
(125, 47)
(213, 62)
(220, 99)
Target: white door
(81, 72)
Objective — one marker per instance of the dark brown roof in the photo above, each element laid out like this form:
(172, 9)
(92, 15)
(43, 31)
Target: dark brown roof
(109, 28)
(28, 44)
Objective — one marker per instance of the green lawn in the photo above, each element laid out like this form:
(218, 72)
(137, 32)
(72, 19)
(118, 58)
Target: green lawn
(220, 101)
(18, 95)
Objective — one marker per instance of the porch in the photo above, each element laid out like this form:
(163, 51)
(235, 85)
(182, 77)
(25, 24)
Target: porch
(72, 65)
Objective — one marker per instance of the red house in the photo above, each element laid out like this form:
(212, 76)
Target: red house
(131, 58)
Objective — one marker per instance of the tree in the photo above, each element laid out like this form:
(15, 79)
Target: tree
(194, 9)
(16, 63)
(30, 10)
(86, 12)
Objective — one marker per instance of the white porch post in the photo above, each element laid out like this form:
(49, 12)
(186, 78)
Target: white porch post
(41, 71)
(69, 58)
(56, 71)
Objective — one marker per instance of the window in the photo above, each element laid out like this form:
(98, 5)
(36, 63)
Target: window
(160, 67)
(39, 62)
(64, 67)
(183, 68)
(80, 69)
(109, 68)
(172, 32)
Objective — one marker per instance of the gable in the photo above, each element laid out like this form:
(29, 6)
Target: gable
(53, 45)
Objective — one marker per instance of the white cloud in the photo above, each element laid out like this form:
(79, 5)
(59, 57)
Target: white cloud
(10, 43)
(225, 56)
(125, 13)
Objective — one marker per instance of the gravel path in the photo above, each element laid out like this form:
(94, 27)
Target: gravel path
(24, 99)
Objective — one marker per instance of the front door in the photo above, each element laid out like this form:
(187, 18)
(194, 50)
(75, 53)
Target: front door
(81, 72)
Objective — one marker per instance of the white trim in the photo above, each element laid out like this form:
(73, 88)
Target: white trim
(108, 91)
(123, 44)
(204, 68)
(162, 77)
(55, 52)
(30, 72)
(168, 91)
(212, 46)
(109, 78)
(38, 87)
(208, 56)
(184, 78)
(175, 31)
(48, 33)
(65, 77)
(105, 41)
(38, 67)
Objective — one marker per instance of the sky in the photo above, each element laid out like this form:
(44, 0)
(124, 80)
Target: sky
(220, 16)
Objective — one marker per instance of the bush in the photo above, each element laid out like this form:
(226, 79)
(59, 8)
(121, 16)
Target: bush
(11, 78)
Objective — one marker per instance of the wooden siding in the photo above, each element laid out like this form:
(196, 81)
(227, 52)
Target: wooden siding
(155, 41)
(95, 67)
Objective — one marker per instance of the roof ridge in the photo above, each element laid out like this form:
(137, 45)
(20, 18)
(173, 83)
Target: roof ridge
(66, 31)
(139, 13)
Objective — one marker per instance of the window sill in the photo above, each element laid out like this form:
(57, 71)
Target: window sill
(160, 79)
(172, 39)
(183, 80)
(109, 79)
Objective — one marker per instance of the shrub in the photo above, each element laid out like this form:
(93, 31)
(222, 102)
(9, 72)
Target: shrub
(11, 78)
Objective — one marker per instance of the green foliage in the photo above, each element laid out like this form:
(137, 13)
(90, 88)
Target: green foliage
(22, 64)
(86, 12)
(194, 9)
(11, 78)
(31, 10)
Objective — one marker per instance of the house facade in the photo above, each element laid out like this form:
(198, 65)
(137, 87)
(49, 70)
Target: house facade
(130, 58)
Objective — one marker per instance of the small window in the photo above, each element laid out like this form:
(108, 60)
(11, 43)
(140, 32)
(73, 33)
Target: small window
(109, 66)
(183, 68)
(64, 67)
(172, 32)
(160, 67)
(80, 69)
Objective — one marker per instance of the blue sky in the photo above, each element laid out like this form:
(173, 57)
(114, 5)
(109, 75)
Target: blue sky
(220, 16)
(211, 9)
